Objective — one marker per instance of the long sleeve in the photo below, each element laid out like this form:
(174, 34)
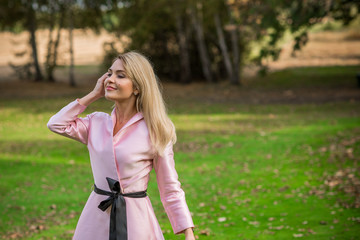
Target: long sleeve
(66, 122)
(171, 194)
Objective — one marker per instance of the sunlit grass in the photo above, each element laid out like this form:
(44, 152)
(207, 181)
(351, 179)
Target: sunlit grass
(248, 171)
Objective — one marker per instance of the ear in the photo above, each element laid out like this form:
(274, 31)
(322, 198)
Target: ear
(136, 92)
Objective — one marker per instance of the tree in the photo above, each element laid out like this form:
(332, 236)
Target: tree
(266, 21)
(231, 59)
(56, 18)
(19, 15)
(199, 33)
(22, 15)
(183, 42)
(152, 29)
(71, 40)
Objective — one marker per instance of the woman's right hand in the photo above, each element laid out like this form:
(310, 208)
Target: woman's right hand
(99, 89)
(98, 92)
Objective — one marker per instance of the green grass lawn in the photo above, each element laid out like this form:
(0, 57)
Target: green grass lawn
(270, 171)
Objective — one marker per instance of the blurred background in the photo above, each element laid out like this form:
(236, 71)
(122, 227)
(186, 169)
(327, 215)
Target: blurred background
(264, 95)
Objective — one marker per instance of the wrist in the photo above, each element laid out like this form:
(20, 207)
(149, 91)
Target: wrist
(94, 95)
(89, 98)
(189, 232)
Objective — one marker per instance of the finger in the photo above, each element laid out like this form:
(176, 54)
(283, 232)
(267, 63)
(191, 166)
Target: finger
(103, 77)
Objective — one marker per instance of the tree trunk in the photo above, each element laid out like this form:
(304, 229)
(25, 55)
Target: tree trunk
(55, 44)
(185, 76)
(58, 35)
(236, 59)
(223, 47)
(71, 27)
(48, 68)
(235, 49)
(32, 30)
(205, 62)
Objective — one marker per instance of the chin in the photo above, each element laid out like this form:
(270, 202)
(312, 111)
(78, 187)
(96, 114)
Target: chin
(109, 98)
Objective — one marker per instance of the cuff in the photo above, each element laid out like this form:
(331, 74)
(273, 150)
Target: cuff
(81, 105)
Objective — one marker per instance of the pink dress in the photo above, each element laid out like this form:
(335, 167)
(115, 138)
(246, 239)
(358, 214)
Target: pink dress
(127, 157)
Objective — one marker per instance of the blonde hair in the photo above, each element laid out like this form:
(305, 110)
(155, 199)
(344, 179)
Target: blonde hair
(149, 101)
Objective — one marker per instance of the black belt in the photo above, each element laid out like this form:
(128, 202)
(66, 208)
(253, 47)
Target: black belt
(118, 224)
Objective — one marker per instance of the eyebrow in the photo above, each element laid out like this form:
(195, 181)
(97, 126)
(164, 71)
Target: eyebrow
(117, 71)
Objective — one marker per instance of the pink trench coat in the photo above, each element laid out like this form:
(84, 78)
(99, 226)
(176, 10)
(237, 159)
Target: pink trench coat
(127, 157)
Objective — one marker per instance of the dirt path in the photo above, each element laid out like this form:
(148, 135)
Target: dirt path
(323, 49)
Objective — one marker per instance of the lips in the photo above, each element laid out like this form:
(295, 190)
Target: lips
(110, 88)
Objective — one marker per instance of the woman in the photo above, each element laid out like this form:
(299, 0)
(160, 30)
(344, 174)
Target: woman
(123, 148)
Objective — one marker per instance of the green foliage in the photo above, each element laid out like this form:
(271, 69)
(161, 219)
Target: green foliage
(110, 53)
(151, 28)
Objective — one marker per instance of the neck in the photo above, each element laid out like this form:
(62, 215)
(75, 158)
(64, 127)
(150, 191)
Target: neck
(124, 111)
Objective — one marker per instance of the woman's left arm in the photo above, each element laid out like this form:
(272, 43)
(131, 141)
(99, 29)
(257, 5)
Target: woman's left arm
(171, 194)
(189, 234)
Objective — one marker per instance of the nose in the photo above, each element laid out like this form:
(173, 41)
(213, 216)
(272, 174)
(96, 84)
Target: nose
(109, 79)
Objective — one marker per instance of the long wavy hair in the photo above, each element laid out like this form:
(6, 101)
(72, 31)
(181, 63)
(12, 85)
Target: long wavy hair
(149, 101)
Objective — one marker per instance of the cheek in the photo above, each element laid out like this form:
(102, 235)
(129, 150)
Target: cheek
(126, 86)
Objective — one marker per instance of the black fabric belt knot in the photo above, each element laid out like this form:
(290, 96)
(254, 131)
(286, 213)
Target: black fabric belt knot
(118, 224)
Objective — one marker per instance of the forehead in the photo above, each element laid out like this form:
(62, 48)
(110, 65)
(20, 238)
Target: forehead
(117, 66)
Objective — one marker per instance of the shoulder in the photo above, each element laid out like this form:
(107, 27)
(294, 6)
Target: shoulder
(98, 115)
(141, 128)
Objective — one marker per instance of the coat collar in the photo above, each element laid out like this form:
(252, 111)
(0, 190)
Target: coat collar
(138, 116)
